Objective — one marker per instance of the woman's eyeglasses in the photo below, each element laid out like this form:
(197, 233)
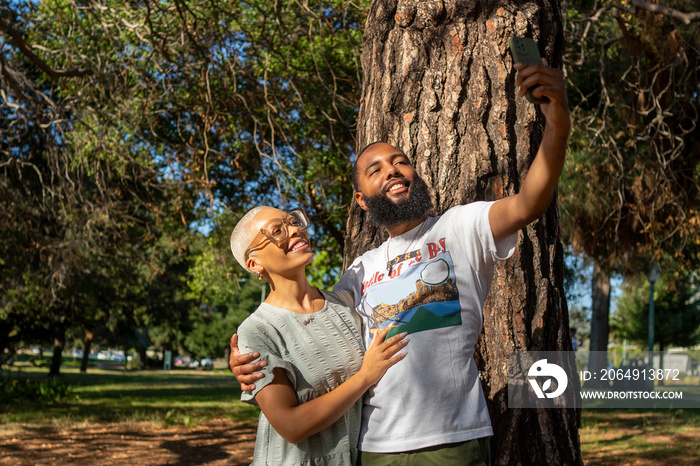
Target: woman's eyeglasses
(276, 229)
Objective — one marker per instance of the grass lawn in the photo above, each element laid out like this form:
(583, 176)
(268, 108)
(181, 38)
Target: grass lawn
(652, 437)
(177, 397)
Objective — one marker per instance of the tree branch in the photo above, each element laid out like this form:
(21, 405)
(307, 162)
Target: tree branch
(685, 18)
(27, 51)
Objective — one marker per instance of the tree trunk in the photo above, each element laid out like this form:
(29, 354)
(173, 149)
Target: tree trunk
(600, 327)
(439, 84)
(87, 345)
(143, 356)
(58, 343)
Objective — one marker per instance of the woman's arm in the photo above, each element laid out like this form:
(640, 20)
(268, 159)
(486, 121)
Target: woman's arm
(295, 422)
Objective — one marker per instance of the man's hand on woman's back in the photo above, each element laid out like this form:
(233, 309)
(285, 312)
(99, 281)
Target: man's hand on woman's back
(243, 368)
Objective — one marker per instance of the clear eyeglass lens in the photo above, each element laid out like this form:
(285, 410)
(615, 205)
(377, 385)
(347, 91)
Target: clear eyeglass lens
(297, 219)
(277, 230)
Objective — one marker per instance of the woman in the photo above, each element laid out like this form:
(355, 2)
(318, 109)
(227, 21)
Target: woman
(310, 396)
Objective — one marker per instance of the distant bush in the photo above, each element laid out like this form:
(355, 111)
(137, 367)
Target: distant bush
(50, 390)
(134, 363)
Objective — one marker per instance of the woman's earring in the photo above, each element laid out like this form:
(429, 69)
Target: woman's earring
(259, 274)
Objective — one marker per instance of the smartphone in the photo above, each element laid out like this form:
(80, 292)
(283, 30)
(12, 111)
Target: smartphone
(525, 50)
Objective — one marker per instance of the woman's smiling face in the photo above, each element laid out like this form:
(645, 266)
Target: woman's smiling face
(291, 253)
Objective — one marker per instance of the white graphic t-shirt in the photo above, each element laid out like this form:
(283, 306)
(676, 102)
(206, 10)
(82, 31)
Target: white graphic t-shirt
(431, 282)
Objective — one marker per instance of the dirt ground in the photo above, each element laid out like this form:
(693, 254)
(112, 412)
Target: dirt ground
(224, 442)
(219, 442)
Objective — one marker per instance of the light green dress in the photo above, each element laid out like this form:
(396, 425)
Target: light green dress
(318, 352)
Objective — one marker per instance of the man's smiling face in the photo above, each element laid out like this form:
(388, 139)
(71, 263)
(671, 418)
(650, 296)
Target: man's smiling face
(382, 168)
(389, 187)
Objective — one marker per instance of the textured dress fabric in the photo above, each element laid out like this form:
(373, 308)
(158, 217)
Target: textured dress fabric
(317, 352)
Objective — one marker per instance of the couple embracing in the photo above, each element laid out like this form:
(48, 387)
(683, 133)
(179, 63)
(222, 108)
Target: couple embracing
(334, 374)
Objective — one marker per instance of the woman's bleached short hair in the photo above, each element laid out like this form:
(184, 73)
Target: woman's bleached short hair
(242, 236)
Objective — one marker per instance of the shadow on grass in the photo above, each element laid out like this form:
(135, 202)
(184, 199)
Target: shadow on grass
(613, 441)
(676, 453)
(635, 436)
(628, 418)
(166, 398)
(68, 413)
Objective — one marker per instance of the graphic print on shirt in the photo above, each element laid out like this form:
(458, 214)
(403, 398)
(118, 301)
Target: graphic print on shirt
(423, 296)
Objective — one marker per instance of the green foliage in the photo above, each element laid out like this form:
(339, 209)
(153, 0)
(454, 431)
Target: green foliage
(134, 363)
(47, 390)
(189, 110)
(89, 224)
(248, 103)
(676, 311)
(576, 275)
(627, 192)
(324, 271)
(213, 275)
(225, 296)
(580, 320)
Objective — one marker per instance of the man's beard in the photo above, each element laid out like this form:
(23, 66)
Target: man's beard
(386, 213)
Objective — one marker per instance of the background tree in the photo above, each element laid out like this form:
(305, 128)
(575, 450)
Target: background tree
(223, 293)
(676, 311)
(439, 84)
(629, 191)
(244, 108)
(231, 108)
(78, 207)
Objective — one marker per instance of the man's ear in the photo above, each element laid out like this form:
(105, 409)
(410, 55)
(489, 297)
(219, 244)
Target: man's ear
(360, 199)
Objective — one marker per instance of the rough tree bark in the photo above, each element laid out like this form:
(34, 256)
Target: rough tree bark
(439, 84)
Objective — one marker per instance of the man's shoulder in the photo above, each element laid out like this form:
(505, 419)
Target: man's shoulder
(369, 255)
(475, 206)
(352, 278)
(342, 297)
(463, 213)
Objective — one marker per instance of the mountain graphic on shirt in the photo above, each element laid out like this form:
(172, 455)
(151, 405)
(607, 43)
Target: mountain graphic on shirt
(423, 320)
(429, 307)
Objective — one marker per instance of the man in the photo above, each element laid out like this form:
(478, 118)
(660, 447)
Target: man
(430, 278)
